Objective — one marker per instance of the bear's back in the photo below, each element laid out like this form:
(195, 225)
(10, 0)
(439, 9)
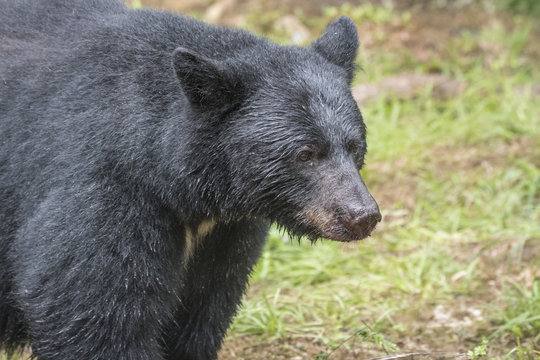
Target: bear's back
(78, 76)
(27, 19)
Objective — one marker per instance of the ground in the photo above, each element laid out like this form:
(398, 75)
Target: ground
(454, 161)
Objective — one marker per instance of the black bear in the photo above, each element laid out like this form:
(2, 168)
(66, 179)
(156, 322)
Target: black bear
(143, 156)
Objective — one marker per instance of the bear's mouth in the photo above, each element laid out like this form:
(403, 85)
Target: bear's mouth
(323, 224)
(342, 234)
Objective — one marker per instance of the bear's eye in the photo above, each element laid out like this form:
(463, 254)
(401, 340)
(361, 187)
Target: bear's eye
(354, 149)
(357, 153)
(305, 155)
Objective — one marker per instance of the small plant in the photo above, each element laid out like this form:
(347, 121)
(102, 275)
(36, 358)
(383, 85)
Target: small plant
(521, 313)
(479, 351)
(523, 353)
(135, 4)
(367, 335)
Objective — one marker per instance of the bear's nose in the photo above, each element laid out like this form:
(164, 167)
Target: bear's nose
(361, 222)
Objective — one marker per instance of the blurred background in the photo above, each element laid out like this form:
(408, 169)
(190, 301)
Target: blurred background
(450, 92)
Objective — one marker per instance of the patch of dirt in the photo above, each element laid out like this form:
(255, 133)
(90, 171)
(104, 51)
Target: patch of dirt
(393, 185)
(453, 159)
(246, 348)
(250, 347)
(504, 259)
(427, 356)
(406, 86)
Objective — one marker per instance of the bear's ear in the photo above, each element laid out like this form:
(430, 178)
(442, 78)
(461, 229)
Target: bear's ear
(339, 44)
(207, 83)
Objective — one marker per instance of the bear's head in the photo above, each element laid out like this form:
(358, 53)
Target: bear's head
(291, 136)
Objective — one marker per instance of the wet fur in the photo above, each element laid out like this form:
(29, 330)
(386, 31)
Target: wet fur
(112, 148)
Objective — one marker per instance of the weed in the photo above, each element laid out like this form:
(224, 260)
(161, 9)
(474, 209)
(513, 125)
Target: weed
(479, 351)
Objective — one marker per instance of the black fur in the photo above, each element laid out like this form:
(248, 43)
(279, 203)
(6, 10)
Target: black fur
(143, 156)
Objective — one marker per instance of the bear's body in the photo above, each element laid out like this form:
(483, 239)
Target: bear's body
(143, 156)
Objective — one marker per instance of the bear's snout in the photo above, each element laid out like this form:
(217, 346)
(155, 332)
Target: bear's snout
(340, 224)
(362, 221)
(344, 209)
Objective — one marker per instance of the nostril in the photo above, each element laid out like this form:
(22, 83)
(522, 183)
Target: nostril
(374, 217)
(363, 221)
(354, 219)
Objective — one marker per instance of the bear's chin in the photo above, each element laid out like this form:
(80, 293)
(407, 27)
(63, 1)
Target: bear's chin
(345, 237)
(336, 232)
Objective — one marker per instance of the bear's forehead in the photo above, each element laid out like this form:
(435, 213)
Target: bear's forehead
(338, 128)
(323, 119)
(313, 97)
(331, 107)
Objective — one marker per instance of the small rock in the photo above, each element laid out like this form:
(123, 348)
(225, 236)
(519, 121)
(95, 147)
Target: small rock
(175, 5)
(406, 86)
(298, 32)
(216, 11)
